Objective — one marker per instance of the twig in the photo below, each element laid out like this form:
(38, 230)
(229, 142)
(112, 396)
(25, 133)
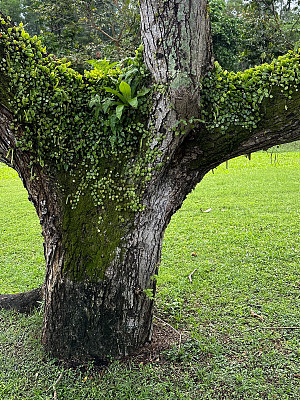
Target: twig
(170, 326)
(280, 327)
(272, 327)
(166, 323)
(191, 274)
(54, 386)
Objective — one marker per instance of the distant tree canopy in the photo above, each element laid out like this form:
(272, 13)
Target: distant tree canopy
(13, 8)
(80, 30)
(270, 29)
(245, 34)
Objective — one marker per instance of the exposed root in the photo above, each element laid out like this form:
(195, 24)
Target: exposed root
(22, 302)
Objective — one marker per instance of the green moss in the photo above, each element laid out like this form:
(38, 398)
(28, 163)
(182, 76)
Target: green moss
(5, 95)
(91, 237)
(236, 100)
(71, 122)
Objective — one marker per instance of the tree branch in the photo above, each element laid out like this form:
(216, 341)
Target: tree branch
(7, 140)
(199, 150)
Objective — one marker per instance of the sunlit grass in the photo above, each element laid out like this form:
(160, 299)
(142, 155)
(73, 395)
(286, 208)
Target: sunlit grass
(21, 250)
(240, 311)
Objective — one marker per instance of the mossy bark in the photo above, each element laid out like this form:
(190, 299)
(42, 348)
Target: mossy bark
(99, 271)
(5, 87)
(101, 309)
(95, 300)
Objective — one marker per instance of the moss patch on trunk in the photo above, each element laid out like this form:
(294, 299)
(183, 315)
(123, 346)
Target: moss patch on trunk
(92, 236)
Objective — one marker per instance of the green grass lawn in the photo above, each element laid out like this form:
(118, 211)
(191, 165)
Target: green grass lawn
(21, 250)
(240, 311)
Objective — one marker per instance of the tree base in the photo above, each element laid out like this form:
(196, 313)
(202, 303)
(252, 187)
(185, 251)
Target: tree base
(164, 337)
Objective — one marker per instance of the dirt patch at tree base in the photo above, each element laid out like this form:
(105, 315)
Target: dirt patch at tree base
(164, 336)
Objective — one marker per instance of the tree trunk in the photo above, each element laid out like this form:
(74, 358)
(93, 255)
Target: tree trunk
(100, 278)
(96, 316)
(100, 272)
(88, 315)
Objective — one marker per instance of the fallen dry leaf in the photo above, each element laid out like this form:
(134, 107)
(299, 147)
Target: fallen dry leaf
(194, 254)
(253, 313)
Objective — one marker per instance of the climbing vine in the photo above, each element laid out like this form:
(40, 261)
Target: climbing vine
(233, 100)
(93, 128)
(90, 127)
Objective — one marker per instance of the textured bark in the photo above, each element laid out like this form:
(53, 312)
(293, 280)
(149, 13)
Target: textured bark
(114, 316)
(178, 48)
(95, 314)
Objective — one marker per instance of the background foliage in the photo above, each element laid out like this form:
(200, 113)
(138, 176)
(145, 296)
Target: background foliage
(245, 33)
(80, 29)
